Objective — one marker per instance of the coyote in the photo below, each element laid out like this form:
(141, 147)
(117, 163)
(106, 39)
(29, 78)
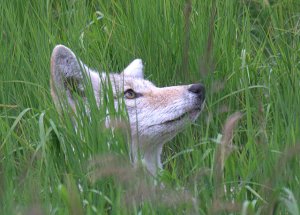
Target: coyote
(155, 114)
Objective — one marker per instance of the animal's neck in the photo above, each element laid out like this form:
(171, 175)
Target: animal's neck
(149, 154)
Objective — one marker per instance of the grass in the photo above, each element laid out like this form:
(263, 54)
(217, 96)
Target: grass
(240, 157)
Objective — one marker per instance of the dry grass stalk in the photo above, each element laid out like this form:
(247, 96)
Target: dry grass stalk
(222, 153)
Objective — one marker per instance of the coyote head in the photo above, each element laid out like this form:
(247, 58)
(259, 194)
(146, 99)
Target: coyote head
(155, 114)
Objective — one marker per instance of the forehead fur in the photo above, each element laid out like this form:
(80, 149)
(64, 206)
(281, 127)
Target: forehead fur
(123, 82)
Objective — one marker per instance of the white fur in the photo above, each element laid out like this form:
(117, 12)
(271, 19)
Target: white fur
(150, 115)
(135, 69)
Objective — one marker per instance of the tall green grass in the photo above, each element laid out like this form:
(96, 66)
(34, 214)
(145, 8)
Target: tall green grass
(240, 157)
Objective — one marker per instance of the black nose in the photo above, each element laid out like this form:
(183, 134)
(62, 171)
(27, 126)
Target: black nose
(198, 89)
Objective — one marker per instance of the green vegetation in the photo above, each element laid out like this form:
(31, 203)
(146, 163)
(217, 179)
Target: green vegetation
(245, 52)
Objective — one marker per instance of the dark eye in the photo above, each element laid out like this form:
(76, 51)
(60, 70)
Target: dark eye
(130, 94)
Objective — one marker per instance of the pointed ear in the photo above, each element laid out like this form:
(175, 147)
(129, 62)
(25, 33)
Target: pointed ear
(67, 75)
(64, 66)
(134, 69)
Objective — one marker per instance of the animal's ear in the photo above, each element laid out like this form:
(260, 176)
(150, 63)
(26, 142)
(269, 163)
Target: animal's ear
(134, 69)
(67, 75)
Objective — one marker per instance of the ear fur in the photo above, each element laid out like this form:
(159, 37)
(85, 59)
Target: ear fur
(67, 75)
(64, 67)
(134, 69)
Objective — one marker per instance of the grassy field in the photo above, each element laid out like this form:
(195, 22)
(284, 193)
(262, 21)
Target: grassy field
(240, 157)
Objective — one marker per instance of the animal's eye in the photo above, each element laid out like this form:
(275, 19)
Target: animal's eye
(130, 94)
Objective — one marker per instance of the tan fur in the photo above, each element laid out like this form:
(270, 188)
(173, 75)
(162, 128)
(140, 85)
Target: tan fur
(155, 116)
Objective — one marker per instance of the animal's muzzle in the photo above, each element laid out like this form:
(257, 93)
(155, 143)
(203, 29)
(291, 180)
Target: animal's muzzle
(199, 90)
